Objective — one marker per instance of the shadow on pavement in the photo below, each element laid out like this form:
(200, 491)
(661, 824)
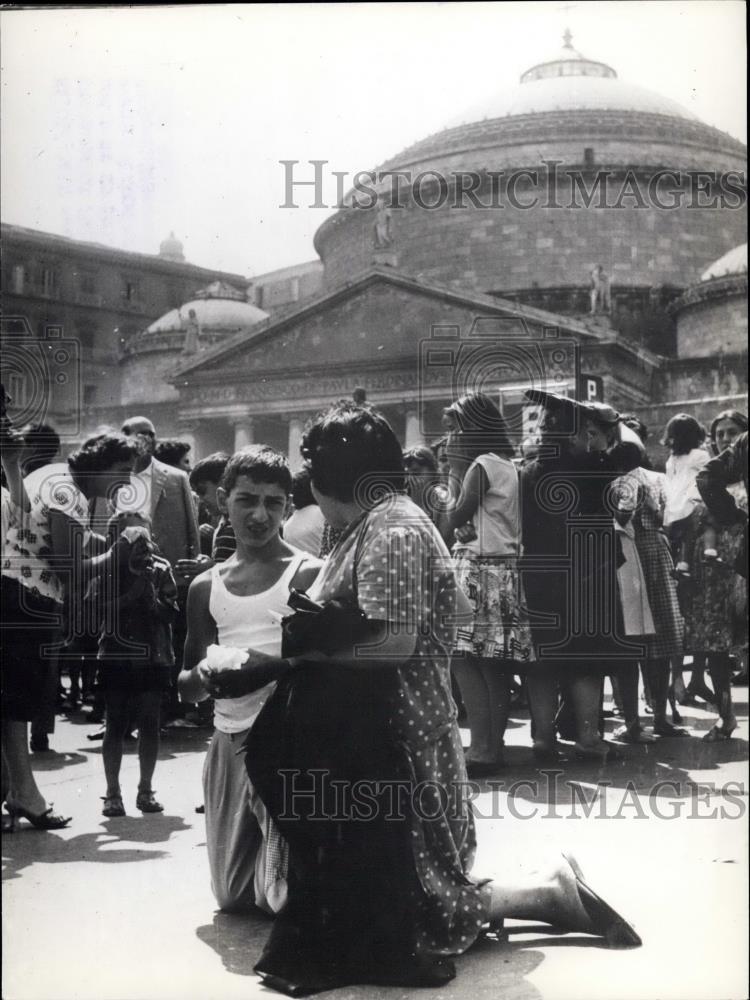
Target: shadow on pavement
(53, 760)
(26, 845)
(237, 938)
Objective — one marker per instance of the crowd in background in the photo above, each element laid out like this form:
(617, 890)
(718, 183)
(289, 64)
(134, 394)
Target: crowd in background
(99, 552)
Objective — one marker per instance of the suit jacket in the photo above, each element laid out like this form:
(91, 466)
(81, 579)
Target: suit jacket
(174, 526)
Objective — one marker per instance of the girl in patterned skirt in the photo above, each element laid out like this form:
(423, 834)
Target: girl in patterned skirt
(486, 519)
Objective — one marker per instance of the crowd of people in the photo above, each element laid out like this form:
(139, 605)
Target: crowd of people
(346, 620)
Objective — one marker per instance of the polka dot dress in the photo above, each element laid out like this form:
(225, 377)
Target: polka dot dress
(401, 572)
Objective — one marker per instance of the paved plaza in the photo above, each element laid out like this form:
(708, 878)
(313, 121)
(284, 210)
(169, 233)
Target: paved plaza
(120, 909)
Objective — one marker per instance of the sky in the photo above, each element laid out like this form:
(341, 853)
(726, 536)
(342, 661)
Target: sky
(120, 125)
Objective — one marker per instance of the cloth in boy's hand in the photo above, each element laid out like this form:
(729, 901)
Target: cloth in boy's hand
(225, 657)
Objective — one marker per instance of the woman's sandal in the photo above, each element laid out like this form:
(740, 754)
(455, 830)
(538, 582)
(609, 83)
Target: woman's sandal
(605, 921)
(46, 820)
(719, 734)
(113, 806)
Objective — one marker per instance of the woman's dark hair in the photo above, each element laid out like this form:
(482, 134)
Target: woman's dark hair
(102, 452)
(171, 452)
(262, 463)
(683, 433)
(734, 415)
(422, 456)
(302, 495)
(481, 425)
(45, 441)
(209, 469)
(352, 450)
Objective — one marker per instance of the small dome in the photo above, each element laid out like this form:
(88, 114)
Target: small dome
(212, 314)
(734, 262)
(172, 249)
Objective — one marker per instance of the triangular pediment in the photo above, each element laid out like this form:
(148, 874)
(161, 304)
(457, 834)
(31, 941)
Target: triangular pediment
(382, 315)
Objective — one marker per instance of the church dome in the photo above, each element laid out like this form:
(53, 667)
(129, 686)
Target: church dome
(570, 125)
(571, 82)
(172, 249)
(213, 315)
(217, 315)
(734, 262)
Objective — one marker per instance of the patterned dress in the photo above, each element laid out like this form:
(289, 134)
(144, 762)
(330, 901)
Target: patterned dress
(715, 600)
(402, 573)
(642, 491)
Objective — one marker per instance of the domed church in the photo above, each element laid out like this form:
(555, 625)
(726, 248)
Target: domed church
(562, 233)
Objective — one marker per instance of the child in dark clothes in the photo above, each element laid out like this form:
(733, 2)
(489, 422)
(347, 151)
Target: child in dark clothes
(138, 605)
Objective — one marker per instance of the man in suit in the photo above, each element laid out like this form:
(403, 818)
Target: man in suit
(163, 493)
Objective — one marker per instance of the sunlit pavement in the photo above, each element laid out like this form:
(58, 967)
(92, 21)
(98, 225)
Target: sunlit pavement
(121, 909)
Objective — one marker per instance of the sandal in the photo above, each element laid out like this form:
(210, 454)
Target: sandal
(46, 820)
(146, 802)
(113, 806)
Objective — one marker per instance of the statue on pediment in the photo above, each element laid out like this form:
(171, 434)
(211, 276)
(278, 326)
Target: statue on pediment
(383, 228)
(192, 334)
(600, 299)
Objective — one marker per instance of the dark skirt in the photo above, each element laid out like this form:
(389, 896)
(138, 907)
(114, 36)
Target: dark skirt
(132, 677)
(30, 627)
(354, 893)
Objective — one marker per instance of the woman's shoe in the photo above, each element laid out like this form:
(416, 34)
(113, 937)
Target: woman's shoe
(718, 734)
(46, 820)
(604, 921)
(146, 802)
(113, 806)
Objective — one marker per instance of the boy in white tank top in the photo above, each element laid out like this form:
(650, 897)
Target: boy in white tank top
(237, 604)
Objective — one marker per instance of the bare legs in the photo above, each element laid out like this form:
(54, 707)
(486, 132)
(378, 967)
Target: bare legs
(119, 708)
(22, 789)
(720, 668)
(485, 691)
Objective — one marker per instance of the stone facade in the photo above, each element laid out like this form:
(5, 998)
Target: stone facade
(412, 346)
(497, 249)
(96, 299)
(712, 318)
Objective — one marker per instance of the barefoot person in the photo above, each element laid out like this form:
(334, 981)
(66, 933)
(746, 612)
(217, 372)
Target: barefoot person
(237, 604)
(377, 891)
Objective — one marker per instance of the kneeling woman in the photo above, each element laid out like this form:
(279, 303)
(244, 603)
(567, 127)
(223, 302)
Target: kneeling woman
(358, 757)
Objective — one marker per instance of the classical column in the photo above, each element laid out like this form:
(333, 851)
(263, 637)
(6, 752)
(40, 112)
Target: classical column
(295, 440)
(413, 434)
(243, 433)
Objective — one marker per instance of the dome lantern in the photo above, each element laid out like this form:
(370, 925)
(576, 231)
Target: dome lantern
(172, 249)
(568, 62)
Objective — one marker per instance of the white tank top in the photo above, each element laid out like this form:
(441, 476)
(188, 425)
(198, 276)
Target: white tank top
(247, 623)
